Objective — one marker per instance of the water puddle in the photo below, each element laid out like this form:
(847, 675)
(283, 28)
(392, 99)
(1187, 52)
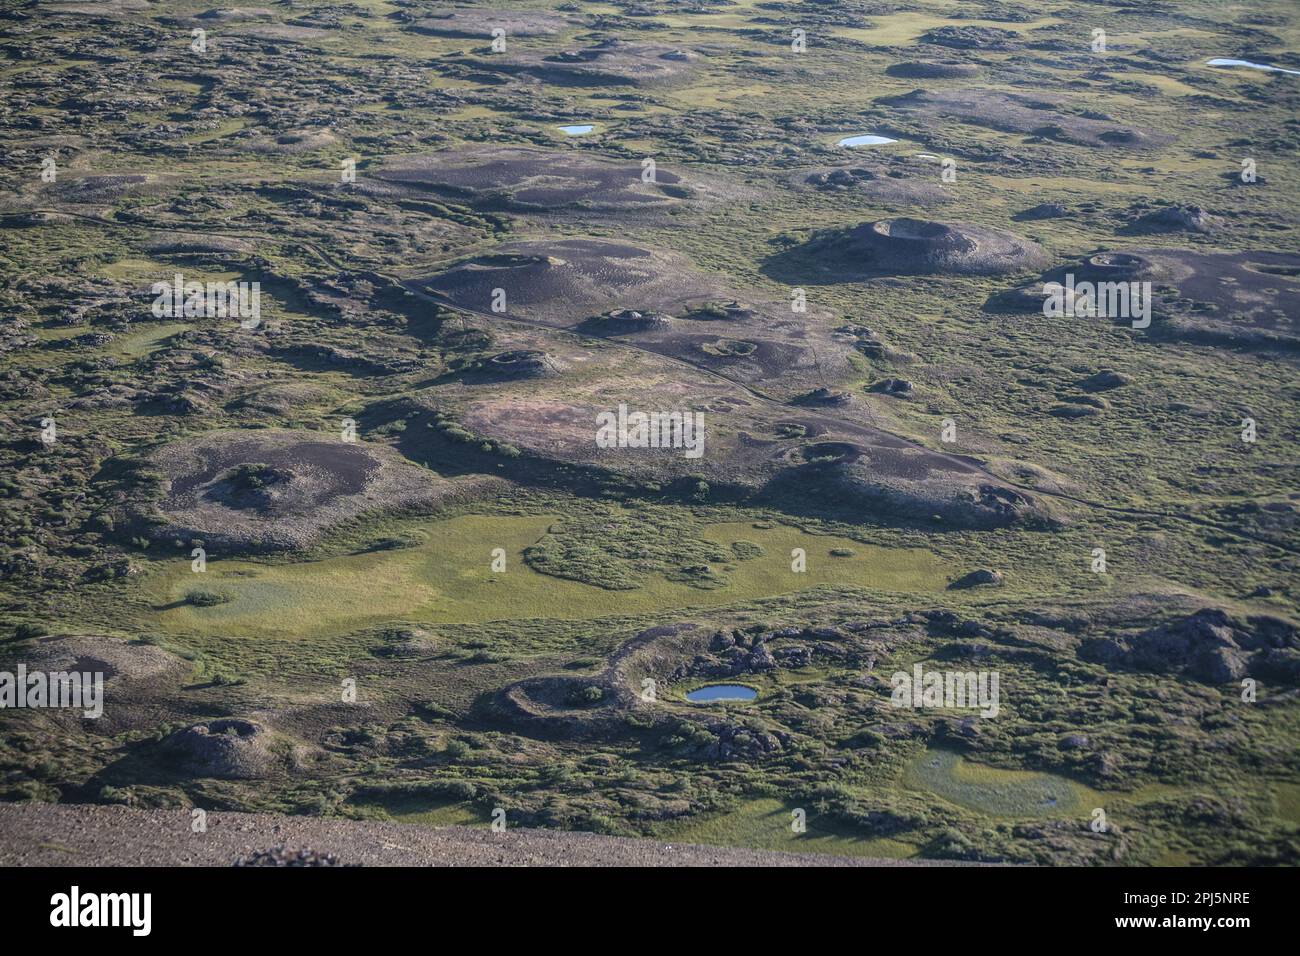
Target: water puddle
(865, 140)
(1222, 61)
(580, 129)
(721, 692)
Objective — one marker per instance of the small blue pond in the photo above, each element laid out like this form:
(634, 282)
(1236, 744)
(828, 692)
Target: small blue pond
(1221, 61)
(866, 140)
(581, 129)
(722, 692)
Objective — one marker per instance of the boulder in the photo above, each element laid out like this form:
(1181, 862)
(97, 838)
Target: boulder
(977, 578)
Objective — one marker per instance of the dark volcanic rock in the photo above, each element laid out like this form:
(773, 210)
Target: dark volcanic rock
(283, 856)
(1042, 115)
(1104, 381)
(823, 396)
(106, 188)
(899, 387)
(1208, 646)
(1175, 219)
(896, 183)
(1047, 210)
(604, 63)
(479, 23)
(972, 38)
(933, 69)
(981, 576)
(229, 748)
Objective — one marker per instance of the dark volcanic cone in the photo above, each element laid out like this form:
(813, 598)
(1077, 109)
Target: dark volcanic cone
(922, 247)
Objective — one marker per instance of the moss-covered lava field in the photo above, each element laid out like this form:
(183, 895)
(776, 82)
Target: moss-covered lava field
(406, 405)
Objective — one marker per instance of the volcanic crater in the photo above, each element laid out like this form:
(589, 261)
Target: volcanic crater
(906, 246)
(276, 489)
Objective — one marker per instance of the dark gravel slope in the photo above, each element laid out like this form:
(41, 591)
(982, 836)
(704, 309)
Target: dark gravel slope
(36, 834)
